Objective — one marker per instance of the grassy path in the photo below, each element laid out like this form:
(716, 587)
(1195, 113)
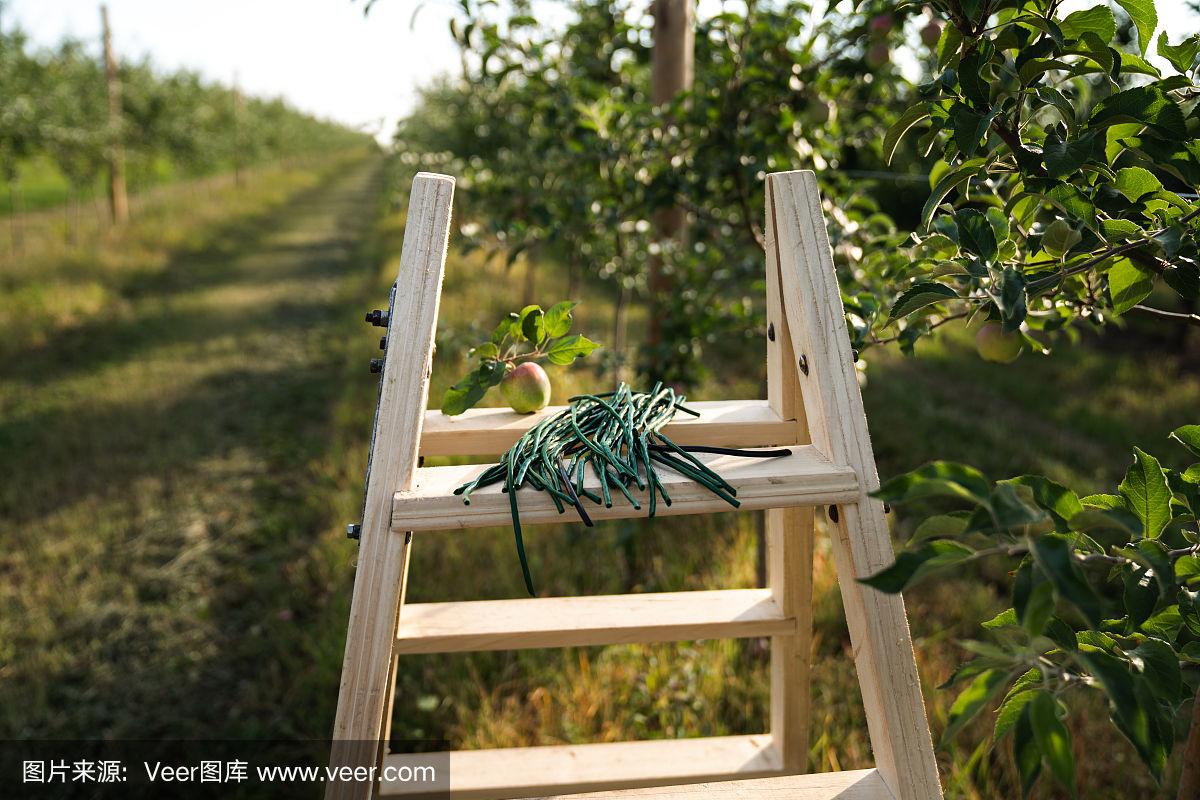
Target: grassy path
(164, 464)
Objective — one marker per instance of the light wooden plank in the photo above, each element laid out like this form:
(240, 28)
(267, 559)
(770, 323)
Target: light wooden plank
(585, 621)
(722, 423)
(803, 478)
(859, 784)
(788, 540)
(861, 542)
(364, 698)
(529, 771)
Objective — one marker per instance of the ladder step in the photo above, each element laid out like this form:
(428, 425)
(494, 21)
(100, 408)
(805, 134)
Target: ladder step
(859, 784)
(586, 621)
(805, 478)
(722, 423)
(535, 771)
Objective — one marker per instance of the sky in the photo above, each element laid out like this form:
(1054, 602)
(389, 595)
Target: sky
(323, 56)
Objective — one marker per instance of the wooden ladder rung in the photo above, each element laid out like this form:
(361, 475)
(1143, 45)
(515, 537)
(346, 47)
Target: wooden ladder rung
(586, 621)
(804, 478)
(858, 784)
(722, 423)
(535, 771)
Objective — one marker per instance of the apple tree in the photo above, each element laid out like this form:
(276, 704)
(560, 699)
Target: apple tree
(1064, 195)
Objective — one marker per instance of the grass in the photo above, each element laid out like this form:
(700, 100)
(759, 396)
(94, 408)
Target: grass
(184, 413)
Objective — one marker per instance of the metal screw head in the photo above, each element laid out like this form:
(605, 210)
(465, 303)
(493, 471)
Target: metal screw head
(378, 318)
(383, 343)
(376, 366)
(833, 514)
(353, 530)
(804, 364)
(771, 331)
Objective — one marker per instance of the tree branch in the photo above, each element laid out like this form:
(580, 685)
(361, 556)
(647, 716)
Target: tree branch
(1191, 319)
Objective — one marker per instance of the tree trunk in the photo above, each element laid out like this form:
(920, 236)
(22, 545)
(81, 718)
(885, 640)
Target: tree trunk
(14, 220)
(620, 328)
(118, 201)
(530, 290)
(1189, 780)
(672, 72)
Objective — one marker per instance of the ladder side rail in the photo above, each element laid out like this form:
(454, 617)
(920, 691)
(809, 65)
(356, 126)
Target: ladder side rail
(884, 659)
(789, 540)
(364, 698)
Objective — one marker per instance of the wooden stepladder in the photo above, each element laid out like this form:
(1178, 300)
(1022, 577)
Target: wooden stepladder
(813, 406)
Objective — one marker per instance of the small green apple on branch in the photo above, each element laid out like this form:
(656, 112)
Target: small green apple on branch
(511, 359)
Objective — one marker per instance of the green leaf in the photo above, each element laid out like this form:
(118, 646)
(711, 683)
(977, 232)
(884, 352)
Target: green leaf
(912, 565)
(1131, 717)
(1183, 55)
(1033, 597)
(1064, 158)
(952, 179)
(948, 45)
(1164, 624)
(1148, 105)
(472, 387)
(1135, 183)
(975, 234)
(1139, 593)
(918, 296)
(532, 326)
(1060, 237)
(1184, 278)
(1136, 65)
(1189, 437)
(1128, 285)
(937, 479)
(913, 115)
(1146, 492)
(940, 526)
(972, 699)
(1097, 520)
(485, 350)
(1144, 17)
(1097, 19)
(1055, 556)
(1160, 664)
(557, 321)
(973, 78)
(1052, 739)
(1010, 509)
(1105, 502)
(1061, 104)
(970, 126)
(567, 349)
(1026, 752)
(1005, 619)
(1011, 708)
(504, 329)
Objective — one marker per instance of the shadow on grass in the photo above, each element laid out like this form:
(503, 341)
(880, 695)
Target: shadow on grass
(166, 478)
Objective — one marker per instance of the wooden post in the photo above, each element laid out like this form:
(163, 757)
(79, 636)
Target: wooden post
(368, 671)
(118, 202)
(861, 542)
(238, 144)
(672, 68)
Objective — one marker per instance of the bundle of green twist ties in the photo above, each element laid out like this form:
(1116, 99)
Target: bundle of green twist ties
(617, 436)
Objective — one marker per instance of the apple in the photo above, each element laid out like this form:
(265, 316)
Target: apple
(931, 34)
(878, 55)
(526, 388)
(820, 111)
(996, 344)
